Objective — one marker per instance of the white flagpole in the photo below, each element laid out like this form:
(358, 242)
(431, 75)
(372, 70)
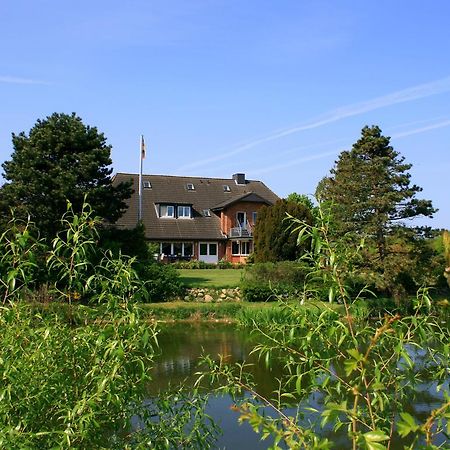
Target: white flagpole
(141, 159)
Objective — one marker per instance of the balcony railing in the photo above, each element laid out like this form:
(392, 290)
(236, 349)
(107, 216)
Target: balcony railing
(242, 231)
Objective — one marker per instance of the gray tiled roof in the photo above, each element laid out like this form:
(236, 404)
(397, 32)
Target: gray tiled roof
(208, 193)
(250, 197)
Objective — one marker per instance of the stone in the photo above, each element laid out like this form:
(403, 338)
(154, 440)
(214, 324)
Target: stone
(208, 298)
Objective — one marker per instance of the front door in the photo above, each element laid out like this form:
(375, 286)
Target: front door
(208, 252)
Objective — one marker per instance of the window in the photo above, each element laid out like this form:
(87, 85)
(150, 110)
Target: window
(241, 248)
(184, 212)
(166, 211)
(203, 249)
(177, 248)
(166, 248)
(212, 249)
(190, 187)
(147, 185)
(246, 247)
(254, 217)
(207, 213)
(226, 188)
(187, 249)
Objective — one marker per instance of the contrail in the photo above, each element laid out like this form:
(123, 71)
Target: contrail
(292, 162)
(402, 96)
(17, 80)
(307, 158)
(434, 126)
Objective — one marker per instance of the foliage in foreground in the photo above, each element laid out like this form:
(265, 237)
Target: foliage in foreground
(86, 387)
(74, 267)
(356, 378)
(72, 380)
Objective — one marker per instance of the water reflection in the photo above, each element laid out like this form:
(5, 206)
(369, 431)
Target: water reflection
(182, 344)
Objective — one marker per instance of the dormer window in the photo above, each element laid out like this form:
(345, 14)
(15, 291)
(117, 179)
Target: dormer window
(226, 188)
(147, 185)
(184, 212)
(207, 213)
(190, 187)
(166, 211)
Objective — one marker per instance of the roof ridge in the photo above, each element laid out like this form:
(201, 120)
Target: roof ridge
(182, 176)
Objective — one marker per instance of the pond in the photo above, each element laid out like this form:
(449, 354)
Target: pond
(181, 345)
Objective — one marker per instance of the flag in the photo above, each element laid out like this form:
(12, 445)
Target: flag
(142, 148)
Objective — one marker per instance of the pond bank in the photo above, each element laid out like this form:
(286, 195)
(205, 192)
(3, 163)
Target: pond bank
(226, 312)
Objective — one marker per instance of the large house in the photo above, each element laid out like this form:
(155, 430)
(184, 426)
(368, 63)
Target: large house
(208, 219)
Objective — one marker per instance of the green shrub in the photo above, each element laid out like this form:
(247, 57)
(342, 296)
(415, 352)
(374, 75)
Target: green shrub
(257, 292)
(162, 282)
(265, 292)
(195, 264)
(224, 264)
(283, 272)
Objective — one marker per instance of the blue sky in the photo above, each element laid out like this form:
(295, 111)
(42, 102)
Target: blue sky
(272, 89)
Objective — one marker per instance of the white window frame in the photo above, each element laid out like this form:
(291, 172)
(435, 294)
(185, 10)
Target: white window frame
(254, 216)
(245, 219)
(190, 187)
(172, 244)
(167, 215)
(240, 247)
(247, 244)
(184, 208)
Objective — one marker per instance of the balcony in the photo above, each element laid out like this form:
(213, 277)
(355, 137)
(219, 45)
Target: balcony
(244, 231)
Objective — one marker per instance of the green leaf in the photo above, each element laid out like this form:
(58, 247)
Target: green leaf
(350, 366)
(407, 424)
(354, 353)
(298, 384)
(375, 436)
(375, 446)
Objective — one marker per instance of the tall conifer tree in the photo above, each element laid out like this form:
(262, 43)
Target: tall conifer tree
(60, 159)
(370, 190)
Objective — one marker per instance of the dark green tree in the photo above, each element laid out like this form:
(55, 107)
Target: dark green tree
(60, 159)
(300, 198)
(273, 237)
(370, 191)
(305, 200)
(371, 199)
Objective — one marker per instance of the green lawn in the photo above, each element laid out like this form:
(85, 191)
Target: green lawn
(211, 278)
